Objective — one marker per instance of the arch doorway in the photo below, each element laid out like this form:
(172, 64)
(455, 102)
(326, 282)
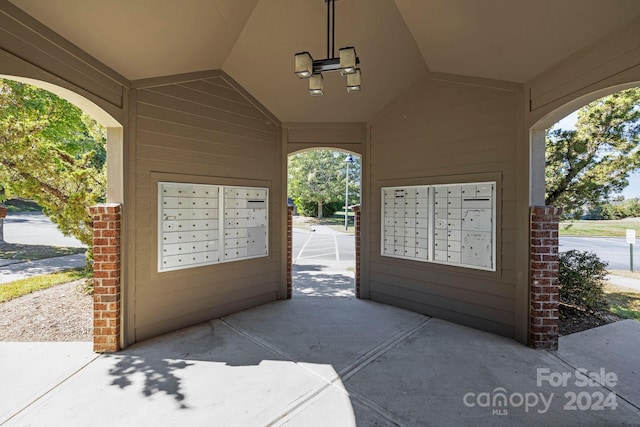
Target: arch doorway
(113, 191)
(544, 240)
(323, 204)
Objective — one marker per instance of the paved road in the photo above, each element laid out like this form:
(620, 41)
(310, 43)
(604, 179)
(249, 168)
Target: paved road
(322, 245)
(33, 228)
(615, 250)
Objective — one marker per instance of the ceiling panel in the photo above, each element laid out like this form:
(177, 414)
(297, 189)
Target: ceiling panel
(262, 60)
(398, 42)
(147, 38)
(512, 40)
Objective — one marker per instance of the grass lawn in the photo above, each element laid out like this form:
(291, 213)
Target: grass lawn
(33, 252)
(336, 222)
(624, 302)
(604, 228)
(11, 290)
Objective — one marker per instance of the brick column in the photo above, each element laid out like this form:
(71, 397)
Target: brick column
(356, 212)
(106, 277)
(543, 278)
(289, 251)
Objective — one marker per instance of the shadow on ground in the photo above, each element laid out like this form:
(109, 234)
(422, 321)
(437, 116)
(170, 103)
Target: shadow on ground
(314, 281)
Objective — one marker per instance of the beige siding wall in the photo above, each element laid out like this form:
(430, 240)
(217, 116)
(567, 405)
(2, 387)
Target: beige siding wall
(202, 130)
(611, 62)
(446, 132)
(30, 50)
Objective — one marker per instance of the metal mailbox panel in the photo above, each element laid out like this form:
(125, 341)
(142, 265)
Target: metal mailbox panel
(435, 218)
(190, 216)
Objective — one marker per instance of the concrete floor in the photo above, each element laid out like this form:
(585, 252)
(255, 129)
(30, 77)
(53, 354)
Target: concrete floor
(318, 360)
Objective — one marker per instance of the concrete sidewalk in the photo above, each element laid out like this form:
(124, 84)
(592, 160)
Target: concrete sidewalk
(20, 270)
(626, 282)
(318, 360)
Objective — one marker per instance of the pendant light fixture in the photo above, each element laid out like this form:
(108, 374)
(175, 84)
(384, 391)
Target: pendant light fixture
(347, 61)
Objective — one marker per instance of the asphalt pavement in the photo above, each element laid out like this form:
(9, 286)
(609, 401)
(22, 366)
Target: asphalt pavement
(34, 228)
(614, 250)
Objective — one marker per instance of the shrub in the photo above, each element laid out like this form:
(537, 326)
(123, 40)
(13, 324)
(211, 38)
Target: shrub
(581, 278)
(311, 208)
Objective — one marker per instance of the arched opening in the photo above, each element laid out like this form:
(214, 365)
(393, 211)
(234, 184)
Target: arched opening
(324, 198)
(94, 156)
(548, 162)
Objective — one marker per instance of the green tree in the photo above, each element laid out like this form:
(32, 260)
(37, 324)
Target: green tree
(51, 153)
(589, 165)
(318, 177)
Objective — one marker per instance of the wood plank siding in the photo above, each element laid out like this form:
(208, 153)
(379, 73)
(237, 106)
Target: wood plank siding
(203, 131)
(448, 132)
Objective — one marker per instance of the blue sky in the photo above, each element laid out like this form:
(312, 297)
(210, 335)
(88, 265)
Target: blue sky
(633, 189)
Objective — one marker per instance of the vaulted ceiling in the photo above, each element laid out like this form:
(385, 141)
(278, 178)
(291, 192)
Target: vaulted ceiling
(398, 42)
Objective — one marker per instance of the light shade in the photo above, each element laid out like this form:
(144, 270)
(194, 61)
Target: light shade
(347, 60)
(304, 65)
(353, 81)
(315, 85)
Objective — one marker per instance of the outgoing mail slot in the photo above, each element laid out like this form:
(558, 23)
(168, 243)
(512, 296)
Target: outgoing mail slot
(253, 204)
(476, 203)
